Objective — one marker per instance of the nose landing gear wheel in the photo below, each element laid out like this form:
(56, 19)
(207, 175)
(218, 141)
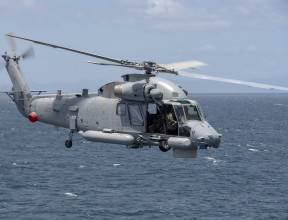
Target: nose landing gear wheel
(164, 146)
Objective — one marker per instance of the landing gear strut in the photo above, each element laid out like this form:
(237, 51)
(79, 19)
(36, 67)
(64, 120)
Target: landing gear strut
(68, 143)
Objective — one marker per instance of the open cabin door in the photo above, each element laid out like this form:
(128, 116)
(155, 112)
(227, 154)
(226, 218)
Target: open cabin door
(161, 119)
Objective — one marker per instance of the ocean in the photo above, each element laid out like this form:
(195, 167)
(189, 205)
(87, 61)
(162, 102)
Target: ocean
(245, 178)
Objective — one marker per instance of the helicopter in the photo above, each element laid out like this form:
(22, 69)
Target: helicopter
(142, 110)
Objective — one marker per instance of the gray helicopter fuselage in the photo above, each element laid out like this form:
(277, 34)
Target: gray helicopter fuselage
(123, 108)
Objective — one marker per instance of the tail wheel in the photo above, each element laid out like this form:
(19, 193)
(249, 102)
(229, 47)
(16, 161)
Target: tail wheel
(68, 143)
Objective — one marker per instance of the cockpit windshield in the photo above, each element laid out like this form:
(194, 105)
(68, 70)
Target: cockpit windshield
(191, 112)
(186, 112)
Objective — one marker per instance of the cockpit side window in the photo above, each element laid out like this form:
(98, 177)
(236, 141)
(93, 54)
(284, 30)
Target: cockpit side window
(121, 109)
(191, 112)
(180, 113)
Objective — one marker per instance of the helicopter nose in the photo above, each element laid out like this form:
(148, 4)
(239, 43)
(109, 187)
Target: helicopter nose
(208, 140)
(204, 136)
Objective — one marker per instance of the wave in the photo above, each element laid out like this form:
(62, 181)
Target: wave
(70, 194)
(215, 161)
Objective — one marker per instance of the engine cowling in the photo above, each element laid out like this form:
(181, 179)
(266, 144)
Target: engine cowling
(140, 92)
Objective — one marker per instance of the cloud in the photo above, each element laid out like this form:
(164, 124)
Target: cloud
(170, 14)
(176, 15)
(209, 47)
(28, 3)
(260, 13)
(19, 12)
(155, 14)
(164, 8)
(19, 6)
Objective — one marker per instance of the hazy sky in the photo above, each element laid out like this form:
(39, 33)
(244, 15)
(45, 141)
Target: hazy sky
(240, 39)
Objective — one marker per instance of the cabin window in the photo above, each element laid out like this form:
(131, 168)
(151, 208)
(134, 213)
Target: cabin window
(121, 109)
(135, 114)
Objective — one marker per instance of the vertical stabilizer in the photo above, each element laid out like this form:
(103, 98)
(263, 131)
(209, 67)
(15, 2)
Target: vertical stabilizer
(20, 91)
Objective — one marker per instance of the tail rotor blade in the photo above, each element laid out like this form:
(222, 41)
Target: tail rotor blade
(28, 53)
(12, 43)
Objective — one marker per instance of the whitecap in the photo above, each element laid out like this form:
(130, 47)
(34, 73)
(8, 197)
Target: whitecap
(14, 164)
(30, 146)
(254, 150)
(209, 158)
(215, 161)
(81, 166)
(116, 164)
(70, 194)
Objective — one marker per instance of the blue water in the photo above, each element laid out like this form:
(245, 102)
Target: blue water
(246, 178)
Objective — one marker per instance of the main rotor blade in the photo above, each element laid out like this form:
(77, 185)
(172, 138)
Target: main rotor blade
(11, 42)
(239, 82)
(28, 53)
(135, 66)
(70, 49)
(183, 65)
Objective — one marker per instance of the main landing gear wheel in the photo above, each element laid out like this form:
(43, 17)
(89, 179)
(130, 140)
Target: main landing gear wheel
(164, 146)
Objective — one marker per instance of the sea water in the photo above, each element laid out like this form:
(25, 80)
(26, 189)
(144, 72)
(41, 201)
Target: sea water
(245, 178)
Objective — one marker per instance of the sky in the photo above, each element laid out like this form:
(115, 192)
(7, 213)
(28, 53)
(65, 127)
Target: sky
(240, 39)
